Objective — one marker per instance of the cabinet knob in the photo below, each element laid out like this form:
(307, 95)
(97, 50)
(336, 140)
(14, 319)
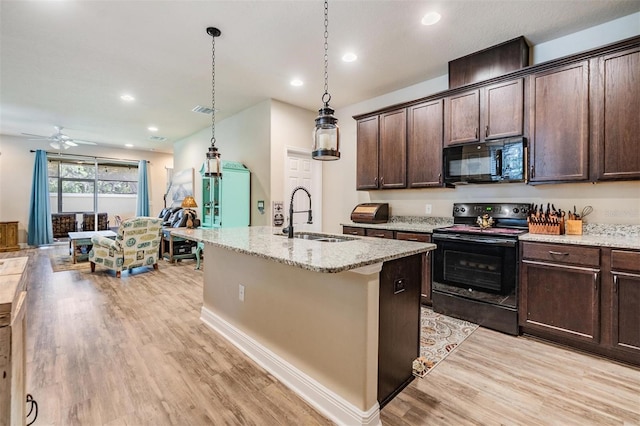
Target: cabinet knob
(382, 180)
(375, 181)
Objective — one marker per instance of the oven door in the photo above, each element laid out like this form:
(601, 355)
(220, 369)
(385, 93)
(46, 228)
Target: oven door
(485, 264)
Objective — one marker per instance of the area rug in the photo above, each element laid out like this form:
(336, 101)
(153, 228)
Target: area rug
(64, 262)
(440, 335)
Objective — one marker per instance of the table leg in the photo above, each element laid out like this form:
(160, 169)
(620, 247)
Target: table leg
(198, 254)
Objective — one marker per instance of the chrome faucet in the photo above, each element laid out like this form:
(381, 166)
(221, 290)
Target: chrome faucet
(289, 230)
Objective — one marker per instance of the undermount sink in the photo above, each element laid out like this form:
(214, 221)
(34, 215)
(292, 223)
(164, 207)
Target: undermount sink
(320, 237)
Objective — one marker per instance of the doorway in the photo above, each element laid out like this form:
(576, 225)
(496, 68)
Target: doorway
(301, 170)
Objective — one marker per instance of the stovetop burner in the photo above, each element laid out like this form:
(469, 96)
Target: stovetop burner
(508, 219)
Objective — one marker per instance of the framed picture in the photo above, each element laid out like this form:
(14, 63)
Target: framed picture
(181, 185)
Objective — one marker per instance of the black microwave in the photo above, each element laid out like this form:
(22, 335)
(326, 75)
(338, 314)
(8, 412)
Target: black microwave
(501, 160)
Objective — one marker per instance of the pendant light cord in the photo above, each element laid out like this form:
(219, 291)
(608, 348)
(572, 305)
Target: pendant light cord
(213, 90)
(326, 97)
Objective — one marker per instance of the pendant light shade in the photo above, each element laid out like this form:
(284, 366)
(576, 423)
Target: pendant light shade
(212, 163)
(326, 134)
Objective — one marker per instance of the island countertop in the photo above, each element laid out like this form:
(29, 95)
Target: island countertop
(318, 256)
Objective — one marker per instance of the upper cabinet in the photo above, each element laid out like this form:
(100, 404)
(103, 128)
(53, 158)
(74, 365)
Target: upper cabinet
(424, 144)
(367, 153)
(462, 118)
(616, 108)
(382, 151)
(393, 149)
(559, 124)
(491, 112)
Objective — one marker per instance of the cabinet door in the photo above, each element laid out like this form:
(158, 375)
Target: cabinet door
(393, 149)
(426, 262)
(367, 154)
(379, 233)
(625, 311)
(560, 300)
(462, 118)
(559, 120)
(353, 230)
(616, 109)
(503, 110)
(424, 144)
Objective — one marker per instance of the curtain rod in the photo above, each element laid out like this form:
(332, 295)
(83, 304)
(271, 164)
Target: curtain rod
(58, 154)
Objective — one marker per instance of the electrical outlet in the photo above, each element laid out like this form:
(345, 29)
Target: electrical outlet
(427, 208)
(241, 292)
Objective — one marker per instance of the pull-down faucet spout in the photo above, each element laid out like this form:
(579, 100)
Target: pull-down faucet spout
(291, 212)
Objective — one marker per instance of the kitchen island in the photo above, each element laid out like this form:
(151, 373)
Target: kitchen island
(336, 321)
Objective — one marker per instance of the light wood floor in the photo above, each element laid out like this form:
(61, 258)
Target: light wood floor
(132, 351)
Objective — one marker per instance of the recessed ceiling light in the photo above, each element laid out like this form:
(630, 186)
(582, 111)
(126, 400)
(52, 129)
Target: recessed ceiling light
(127, 98)
(349, 57)
(152, 128)
(430, 18)
(128, 145)
(296, 82)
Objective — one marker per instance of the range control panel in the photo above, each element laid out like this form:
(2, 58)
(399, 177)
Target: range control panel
(495, 210)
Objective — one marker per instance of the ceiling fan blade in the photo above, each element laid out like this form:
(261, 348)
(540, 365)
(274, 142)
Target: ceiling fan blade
(37, 136)
(55, 145)
(69, 142)
(81, 142)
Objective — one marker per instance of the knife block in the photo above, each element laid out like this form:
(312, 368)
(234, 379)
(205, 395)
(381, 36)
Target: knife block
(547, 228)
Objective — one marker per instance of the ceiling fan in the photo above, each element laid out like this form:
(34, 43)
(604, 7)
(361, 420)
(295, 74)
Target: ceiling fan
(59, 140)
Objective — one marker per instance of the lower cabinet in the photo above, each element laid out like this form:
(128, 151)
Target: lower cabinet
(399, 325)
(581, 296)
(625, 301)
(425, 296)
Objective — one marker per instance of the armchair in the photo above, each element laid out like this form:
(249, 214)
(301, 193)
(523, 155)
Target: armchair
(137, 244)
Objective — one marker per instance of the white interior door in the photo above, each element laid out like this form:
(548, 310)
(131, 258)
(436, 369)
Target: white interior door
(301, 170)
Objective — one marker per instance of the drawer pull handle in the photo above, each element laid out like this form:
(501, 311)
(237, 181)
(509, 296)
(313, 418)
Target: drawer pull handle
(558, 253)
(412, 239)
(615, 283)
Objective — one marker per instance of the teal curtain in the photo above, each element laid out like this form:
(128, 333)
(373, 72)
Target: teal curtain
(40, 231)
(142, 208)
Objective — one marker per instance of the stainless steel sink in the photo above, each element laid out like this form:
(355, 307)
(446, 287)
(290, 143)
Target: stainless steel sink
(320, 237)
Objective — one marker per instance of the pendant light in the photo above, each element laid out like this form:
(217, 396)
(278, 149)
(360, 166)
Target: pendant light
(212, 164)
(326, 135)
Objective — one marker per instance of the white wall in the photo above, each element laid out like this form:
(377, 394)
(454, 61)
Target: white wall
(613, 202)
(256, 137)
(16, 170)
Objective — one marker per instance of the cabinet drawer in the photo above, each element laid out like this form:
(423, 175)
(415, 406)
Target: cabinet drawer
(379, 233)
(625, 260)
(557, 253)
(353, 230)
(412, 236)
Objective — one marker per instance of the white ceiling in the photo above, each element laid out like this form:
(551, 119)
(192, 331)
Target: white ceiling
(66, 63)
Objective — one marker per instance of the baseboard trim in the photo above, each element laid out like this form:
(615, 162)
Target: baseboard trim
(327, 402)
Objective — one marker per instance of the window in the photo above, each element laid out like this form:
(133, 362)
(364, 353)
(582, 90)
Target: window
(81, 186)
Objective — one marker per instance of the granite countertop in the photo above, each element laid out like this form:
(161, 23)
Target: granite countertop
(317, 256)
(597, 234)
(407, 223)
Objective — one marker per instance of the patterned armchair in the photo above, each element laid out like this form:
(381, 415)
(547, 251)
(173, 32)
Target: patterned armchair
(137, 244)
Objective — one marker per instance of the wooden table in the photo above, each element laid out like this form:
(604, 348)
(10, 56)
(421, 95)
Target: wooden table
(168, 248)
(80, 242)
(13, 327)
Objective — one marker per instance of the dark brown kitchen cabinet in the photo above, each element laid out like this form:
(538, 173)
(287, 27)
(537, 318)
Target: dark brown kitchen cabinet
(625, 301)
(425, 295)
(616, 108)
(424, 144)
(462, 118)
(367, 153)
(393, 149)
(353, 230)
(379, 233)
(503, 110)
(399, 325)
(560, 292)
(559, 124)
(491, 112)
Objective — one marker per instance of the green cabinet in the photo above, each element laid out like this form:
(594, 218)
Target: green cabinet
(226, 199)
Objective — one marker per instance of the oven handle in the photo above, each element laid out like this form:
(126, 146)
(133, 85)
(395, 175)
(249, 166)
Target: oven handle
(471, 239)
